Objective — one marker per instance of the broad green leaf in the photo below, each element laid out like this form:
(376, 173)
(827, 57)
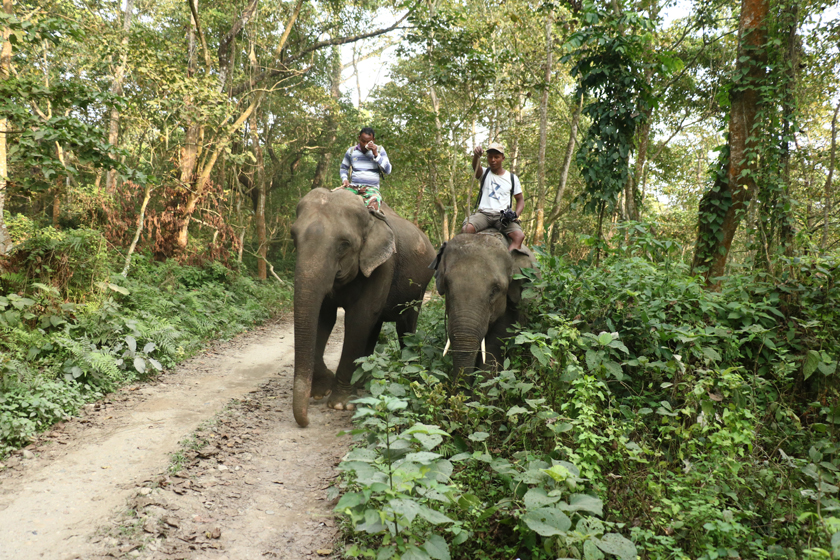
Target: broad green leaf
(613, 543)
(591, 551)
(558, 472)
(584, 502)
(140, 364)
(593, 359)
(812, 358)
(414, 553)
(478, 436)
(547, 522)
(539, 354)
(827, 369)
(433, 516)
(537, 497)
(349, 500)
(429, 441)
(131, 343)
(516, 410)
(407, 508)
(605, 338)
(437, 548)
(711, 354)
(422, 457)
(396, 404)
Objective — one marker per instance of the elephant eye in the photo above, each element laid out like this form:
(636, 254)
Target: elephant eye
(343, 246)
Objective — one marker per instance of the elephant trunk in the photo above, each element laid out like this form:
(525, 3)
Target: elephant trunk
(467, 330)
(308, 300)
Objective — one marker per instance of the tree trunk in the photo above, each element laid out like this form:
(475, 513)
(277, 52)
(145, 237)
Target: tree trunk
(189, 151)
(330, 126)
(827, 188)
(567, 163)
(223, 139)
(147, 195)
(5, 71)
(117, 89)
(539, 234)
(631, 189)
(259, 184)
(722, 206)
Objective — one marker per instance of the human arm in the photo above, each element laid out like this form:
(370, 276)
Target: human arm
(520, 203)
(381, 159)
(344, 170)
(476, 162)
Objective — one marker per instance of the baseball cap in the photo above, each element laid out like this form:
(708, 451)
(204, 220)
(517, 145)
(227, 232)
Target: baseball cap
(496, 146)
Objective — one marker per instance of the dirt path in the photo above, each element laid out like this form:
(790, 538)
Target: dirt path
(251, 484)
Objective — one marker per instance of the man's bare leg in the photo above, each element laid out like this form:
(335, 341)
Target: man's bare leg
(516, 239)
(468, 228)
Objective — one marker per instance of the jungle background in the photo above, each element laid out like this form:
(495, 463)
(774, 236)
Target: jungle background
(675, 394)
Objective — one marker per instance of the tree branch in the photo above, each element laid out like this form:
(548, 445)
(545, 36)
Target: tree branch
(249, 84)
(200, 34)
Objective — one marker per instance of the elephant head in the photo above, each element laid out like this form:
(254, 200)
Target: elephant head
(475, 274)
(336, 239)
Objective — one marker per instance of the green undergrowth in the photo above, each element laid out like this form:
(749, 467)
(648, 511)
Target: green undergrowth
(637, 414)
(71, 329)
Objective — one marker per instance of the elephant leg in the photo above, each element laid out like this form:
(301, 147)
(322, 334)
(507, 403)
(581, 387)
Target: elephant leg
(322, 378)
(358, 330)
(407, 323)
(373, 339)
(493, 345)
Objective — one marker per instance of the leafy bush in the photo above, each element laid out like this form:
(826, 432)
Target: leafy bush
(56, 354)
(702, 424)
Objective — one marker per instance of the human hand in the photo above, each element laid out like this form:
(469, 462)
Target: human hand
(345, 183)
(478, 151)
(373, 148)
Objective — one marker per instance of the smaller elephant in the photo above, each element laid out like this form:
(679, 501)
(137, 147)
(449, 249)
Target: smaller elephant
(475, 274)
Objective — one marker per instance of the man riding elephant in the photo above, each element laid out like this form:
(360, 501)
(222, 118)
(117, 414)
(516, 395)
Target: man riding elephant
(496, 194)
(361, 169)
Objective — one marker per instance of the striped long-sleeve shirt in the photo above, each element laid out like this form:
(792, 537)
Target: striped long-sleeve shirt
(365, 166)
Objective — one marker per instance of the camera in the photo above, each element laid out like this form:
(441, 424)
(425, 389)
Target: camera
(507, 216)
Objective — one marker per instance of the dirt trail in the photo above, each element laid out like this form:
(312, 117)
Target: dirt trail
(252, 486)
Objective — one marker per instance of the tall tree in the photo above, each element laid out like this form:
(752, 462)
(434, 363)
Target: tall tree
(117, 89)
(5, 72)
(722, 206)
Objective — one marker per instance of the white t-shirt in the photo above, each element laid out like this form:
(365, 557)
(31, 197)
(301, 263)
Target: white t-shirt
(496, 193)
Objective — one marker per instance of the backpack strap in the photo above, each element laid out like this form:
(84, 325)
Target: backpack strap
(481, 188)
(512, 187)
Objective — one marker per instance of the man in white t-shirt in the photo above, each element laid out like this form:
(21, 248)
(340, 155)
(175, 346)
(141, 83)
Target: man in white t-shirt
(497, 192)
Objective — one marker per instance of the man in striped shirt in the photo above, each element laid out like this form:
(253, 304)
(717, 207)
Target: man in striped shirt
(362, 167)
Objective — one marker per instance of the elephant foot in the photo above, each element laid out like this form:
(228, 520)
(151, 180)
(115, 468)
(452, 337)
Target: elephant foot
(339, 399)
(322, 383)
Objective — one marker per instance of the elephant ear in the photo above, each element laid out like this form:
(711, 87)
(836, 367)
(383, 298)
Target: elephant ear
(522, 258)
(438, 269)
(378, 247)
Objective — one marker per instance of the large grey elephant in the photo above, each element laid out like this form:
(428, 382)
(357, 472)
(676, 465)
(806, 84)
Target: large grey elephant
(377, 270)
(475, 274)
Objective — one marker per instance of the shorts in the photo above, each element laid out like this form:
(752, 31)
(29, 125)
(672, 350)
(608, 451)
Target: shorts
(484, 219)
(370, 195)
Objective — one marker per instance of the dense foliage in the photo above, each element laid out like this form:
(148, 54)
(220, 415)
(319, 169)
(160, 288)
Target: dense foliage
(636, 405)
(73, 329)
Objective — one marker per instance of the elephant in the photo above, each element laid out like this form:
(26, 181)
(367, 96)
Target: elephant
(475, 274)
(375, 268)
